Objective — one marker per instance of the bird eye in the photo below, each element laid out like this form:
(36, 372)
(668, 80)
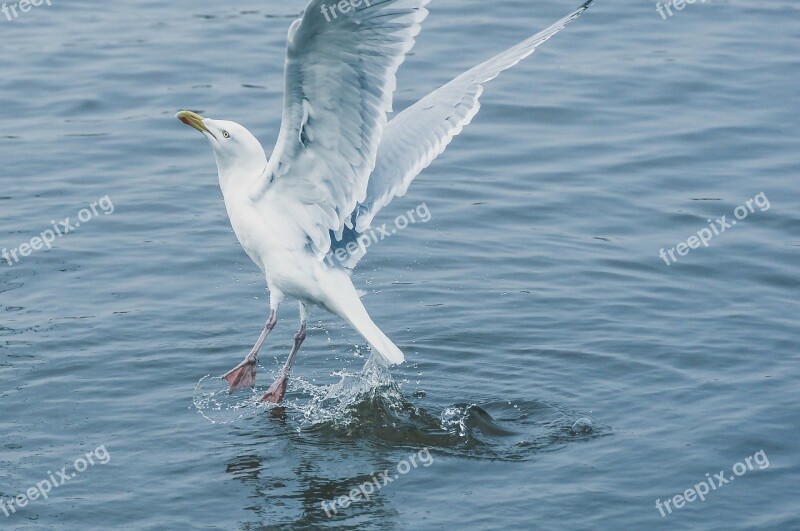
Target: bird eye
(226, 134)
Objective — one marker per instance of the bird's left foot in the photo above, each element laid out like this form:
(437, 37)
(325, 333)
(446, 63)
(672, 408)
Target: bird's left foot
(277, 390)
(243, 375)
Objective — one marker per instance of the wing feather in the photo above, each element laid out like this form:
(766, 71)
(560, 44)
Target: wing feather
(419, 134)
(340, 79)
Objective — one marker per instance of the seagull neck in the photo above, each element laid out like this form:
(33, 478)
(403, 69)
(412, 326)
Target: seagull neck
(238, 181)
(223, 181)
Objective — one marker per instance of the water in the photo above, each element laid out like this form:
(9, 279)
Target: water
(559, 373)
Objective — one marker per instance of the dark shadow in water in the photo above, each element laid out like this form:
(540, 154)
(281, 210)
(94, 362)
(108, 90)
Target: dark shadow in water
(319, 444)
(369, 408)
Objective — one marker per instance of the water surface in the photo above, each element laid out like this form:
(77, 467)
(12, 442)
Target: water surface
(559, 373)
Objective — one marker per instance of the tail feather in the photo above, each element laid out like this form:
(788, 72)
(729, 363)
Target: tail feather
(343, 300)
(361, 321)
(388, 350)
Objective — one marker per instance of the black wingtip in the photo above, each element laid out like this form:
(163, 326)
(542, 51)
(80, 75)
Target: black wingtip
(586, 4)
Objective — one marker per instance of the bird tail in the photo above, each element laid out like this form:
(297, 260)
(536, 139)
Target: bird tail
(346, 303)
(361, 321)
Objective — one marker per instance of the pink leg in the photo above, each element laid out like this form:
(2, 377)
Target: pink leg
(277, 390)
(244, 374)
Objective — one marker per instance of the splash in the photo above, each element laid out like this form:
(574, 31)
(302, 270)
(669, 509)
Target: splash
(343, 403)
(368, 406)
(216, 405)
(318, 404)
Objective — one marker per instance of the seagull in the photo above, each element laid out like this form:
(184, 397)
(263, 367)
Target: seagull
(338, 159)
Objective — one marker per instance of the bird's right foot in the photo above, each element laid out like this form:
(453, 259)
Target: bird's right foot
(277, 390)
(243, 375)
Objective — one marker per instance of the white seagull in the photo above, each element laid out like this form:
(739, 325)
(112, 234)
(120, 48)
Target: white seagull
(338, 160)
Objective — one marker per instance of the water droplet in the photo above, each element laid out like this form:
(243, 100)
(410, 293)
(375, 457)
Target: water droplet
(582, 425)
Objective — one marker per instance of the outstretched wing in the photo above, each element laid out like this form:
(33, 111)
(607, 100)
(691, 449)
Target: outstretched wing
(419, 134)
(341, 62)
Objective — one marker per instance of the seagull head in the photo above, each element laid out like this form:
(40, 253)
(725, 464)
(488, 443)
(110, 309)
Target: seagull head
(238, 152)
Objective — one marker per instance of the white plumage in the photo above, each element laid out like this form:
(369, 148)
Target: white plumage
(337, 161)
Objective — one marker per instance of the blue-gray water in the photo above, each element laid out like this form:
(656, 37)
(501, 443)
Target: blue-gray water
(534, 297)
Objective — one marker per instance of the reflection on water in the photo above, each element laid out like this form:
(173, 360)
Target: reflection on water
(370, 406)
(329, 439)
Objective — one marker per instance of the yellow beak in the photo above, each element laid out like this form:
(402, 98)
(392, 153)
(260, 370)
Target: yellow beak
(192, 119)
